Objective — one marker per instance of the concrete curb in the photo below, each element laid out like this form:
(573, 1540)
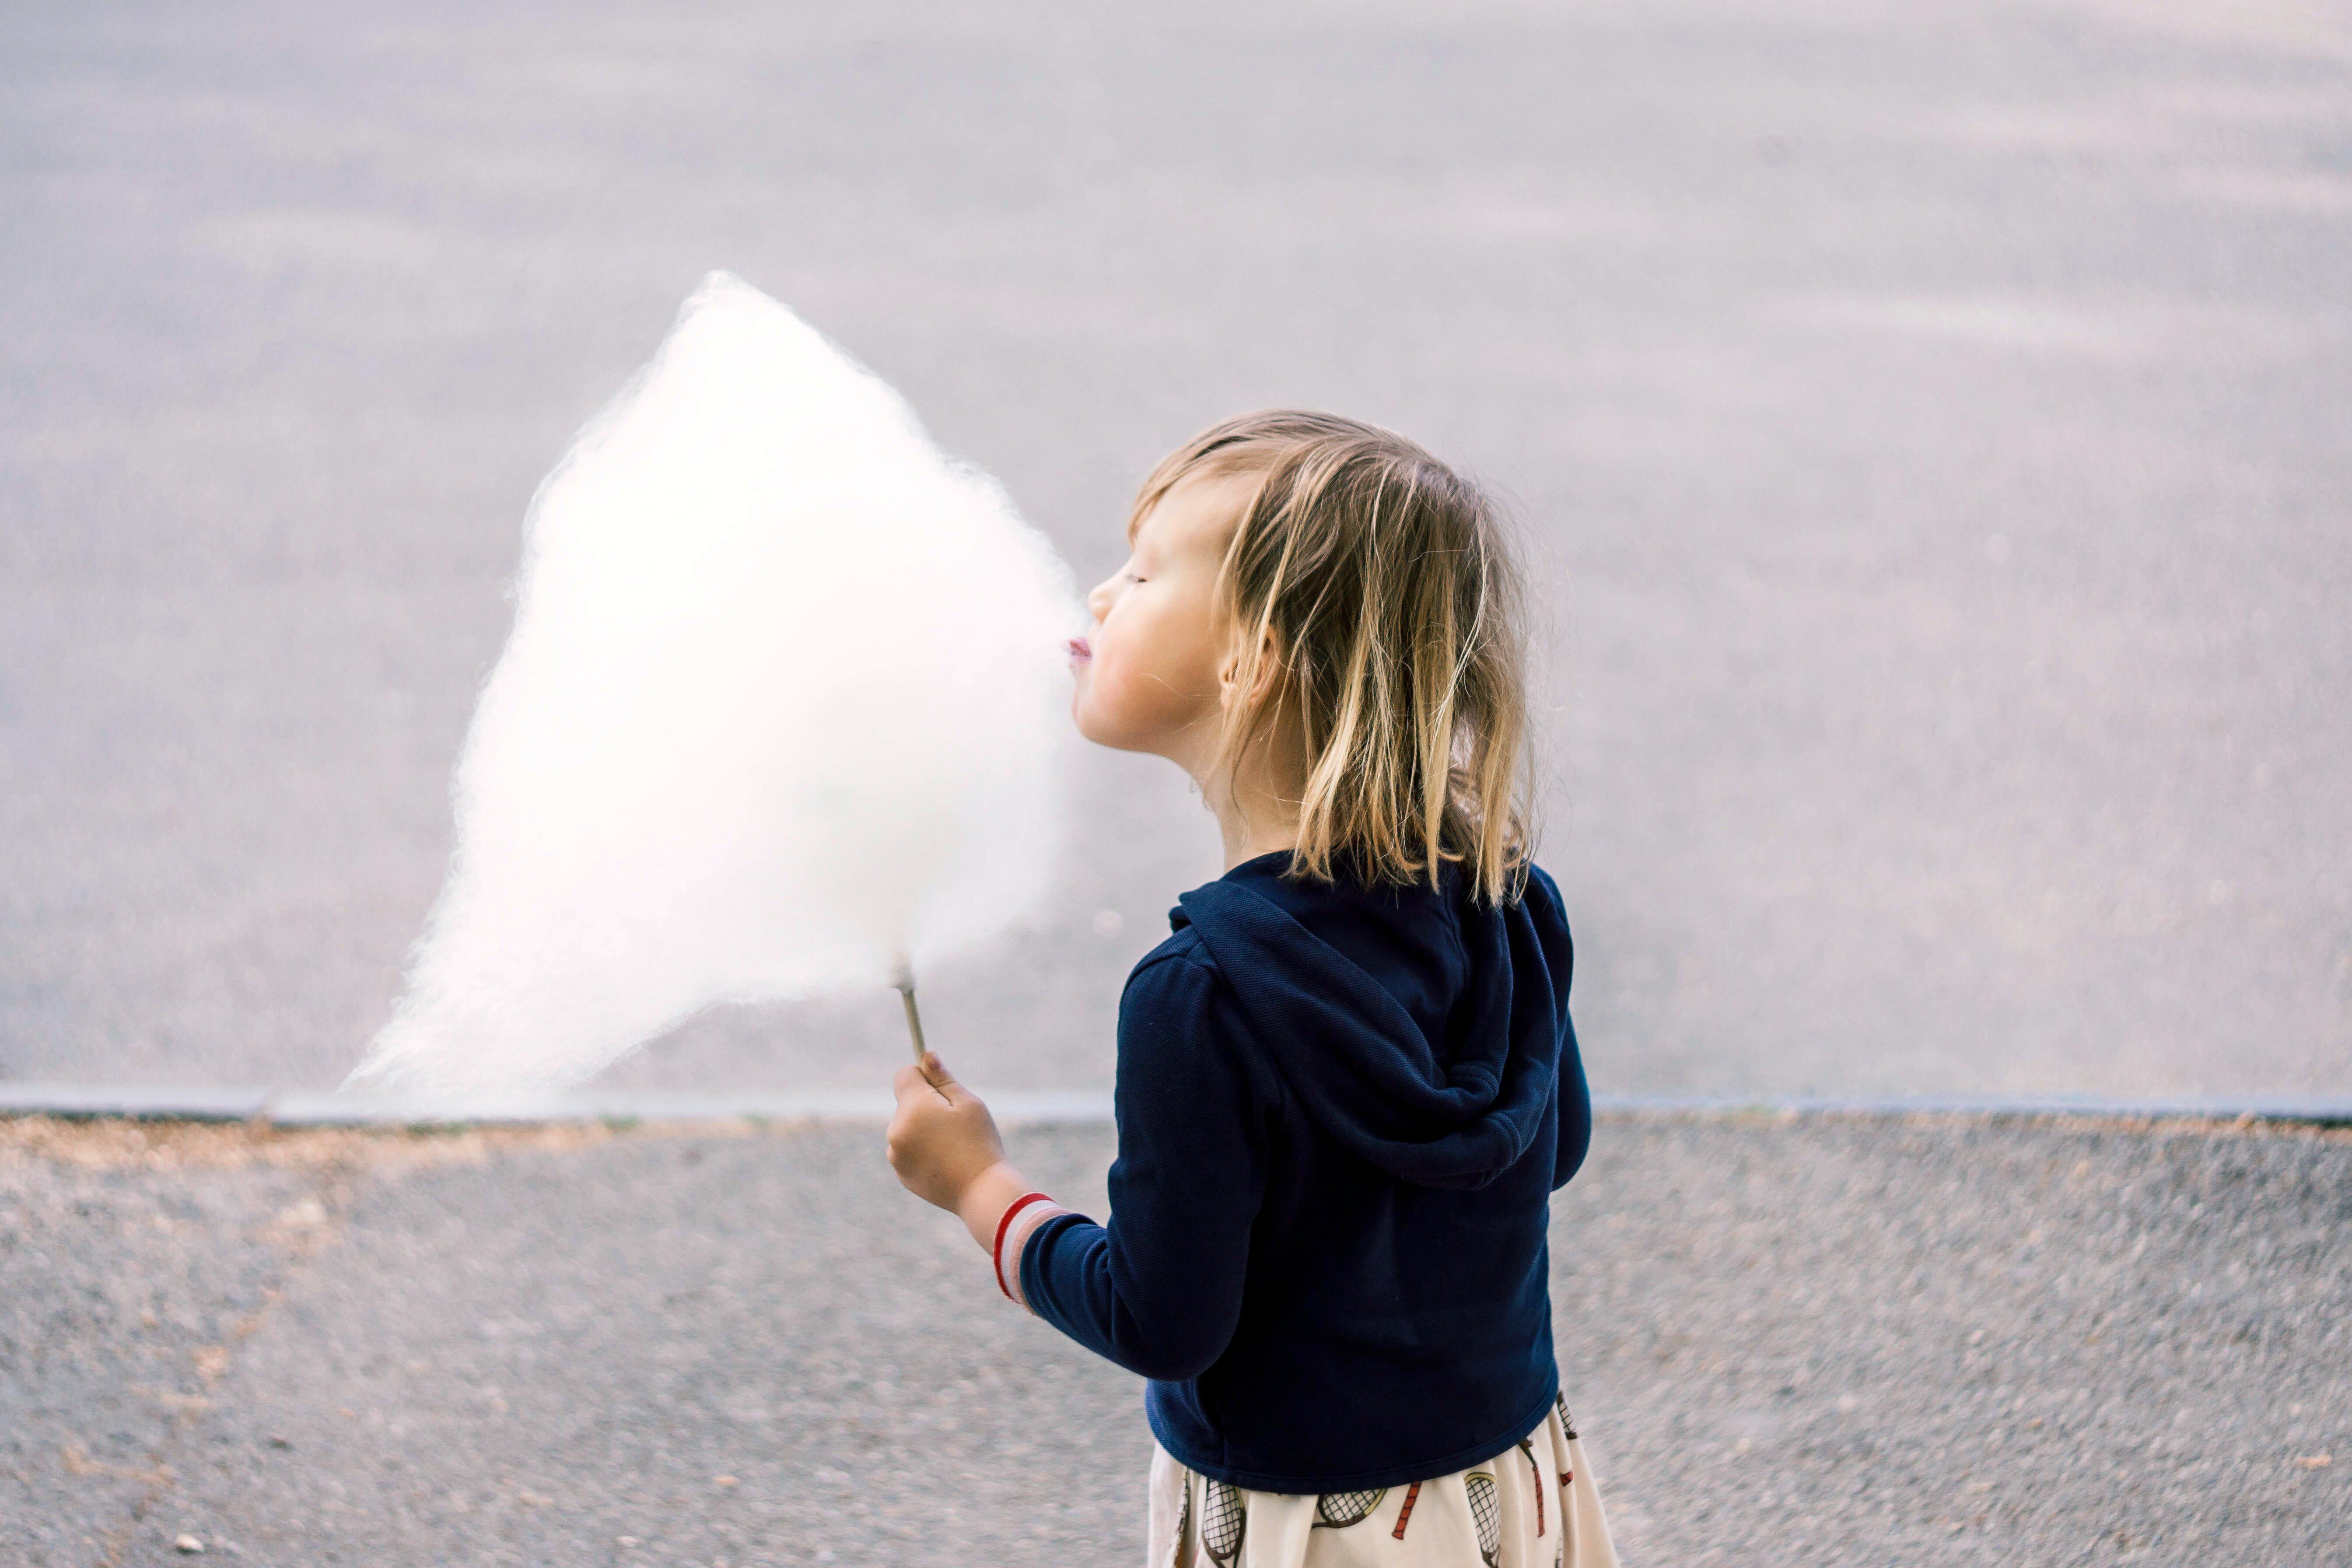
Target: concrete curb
(331, 1107)
(2305, 1110)
(135, 1101)
(1020, 1107)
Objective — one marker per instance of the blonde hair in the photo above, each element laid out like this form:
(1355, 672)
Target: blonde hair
(1372, 594)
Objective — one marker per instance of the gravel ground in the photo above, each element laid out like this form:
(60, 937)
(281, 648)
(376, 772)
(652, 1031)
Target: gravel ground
(1817, 1340)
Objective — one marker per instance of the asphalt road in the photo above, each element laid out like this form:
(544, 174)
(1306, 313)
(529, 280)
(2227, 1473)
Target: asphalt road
(1817, 1342)
(1929, 425)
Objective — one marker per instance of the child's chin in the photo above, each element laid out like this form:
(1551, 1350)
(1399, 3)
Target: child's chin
(1094, 726)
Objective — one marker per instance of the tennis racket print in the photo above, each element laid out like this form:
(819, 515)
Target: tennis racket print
(1338, 1511)
(1486, 1515)
(1527, 1447)
(1224, 1520)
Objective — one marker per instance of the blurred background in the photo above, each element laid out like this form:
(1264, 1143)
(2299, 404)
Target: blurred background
(1928, 423)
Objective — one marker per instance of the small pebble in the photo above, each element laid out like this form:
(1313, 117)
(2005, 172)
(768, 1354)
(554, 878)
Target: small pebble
(189, 1544)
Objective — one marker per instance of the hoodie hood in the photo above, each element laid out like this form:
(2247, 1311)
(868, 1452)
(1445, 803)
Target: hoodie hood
(1420, 1029)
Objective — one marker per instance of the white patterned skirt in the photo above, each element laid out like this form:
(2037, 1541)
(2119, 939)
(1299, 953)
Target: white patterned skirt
(1534, 1505)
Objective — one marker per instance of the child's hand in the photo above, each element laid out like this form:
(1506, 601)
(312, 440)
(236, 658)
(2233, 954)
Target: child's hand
(943, 1143)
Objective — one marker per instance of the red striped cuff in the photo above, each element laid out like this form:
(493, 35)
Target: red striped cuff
(1020, 1221)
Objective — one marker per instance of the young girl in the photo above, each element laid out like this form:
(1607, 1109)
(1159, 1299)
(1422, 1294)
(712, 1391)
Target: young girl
(1347, 1083)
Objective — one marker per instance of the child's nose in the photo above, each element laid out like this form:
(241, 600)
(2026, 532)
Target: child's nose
(1099, 601)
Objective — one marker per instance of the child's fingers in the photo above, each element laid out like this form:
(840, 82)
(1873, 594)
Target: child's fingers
(928, 1075)
(909, 1081)
(936, 1074)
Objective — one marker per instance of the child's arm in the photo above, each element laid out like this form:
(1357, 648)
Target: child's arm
(1159, 1290)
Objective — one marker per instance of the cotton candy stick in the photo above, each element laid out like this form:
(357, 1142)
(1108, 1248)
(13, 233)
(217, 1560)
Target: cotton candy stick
(905, 982)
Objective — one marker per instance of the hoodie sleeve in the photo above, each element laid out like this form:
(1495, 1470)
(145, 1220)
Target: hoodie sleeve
(1158, 1289)
(1574, 1136)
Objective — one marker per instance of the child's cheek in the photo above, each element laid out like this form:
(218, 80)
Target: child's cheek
(1107, 690)
(1129, 700)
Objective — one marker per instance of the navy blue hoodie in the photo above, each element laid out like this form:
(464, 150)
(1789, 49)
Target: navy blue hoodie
(1342, 1111)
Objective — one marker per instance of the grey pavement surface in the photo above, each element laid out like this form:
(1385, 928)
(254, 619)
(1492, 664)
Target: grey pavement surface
(1928, 423)
(1817, 1340)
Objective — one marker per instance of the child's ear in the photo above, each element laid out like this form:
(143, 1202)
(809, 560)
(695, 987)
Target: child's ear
(1269, 673)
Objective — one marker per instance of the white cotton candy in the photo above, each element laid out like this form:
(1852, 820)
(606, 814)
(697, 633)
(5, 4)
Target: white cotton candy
(783, 709)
